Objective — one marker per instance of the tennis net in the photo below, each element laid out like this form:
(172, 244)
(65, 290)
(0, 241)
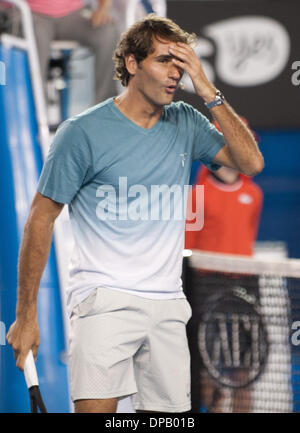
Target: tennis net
(243, 334)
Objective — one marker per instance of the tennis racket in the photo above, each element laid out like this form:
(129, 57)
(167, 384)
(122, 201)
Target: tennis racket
(32, 382)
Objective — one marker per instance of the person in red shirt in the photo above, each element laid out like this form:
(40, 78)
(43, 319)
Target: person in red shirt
(232, 209)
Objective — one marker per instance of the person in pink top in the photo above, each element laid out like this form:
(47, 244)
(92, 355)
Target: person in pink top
(64, 20)
(55, 8)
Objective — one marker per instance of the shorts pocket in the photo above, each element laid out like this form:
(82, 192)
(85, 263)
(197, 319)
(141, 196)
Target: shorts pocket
(188, 310)
(88, 306)
(185, 309)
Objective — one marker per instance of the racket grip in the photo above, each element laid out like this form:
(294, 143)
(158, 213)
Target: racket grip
(30, 373)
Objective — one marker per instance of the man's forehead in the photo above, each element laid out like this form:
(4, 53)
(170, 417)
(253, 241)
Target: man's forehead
(160, 46)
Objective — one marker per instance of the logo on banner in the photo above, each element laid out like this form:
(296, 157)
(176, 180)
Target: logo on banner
(250, 50)
(232, 338)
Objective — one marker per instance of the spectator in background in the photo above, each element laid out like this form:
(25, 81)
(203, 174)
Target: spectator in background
(231, 213)
(127, 12)
(64, 20)
(232, 208)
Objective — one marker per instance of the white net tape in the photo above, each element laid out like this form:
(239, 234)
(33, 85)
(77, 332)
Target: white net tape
(248, 265)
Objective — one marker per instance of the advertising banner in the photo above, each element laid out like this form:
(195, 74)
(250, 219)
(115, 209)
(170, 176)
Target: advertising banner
(250, 50)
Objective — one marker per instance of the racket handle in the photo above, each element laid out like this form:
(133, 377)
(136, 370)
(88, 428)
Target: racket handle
(30, 373)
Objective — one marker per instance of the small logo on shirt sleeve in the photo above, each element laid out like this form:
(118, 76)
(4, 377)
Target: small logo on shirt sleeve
(245, 198)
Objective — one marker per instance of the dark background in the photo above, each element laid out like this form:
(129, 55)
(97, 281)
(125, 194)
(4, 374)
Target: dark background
(274, 104)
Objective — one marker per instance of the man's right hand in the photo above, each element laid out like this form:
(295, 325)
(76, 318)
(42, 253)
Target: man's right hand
(23, 336)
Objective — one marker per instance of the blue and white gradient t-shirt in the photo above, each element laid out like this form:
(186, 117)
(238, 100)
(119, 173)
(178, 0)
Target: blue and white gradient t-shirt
(126, 187)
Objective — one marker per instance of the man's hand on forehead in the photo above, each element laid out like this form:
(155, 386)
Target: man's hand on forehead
(185, 58)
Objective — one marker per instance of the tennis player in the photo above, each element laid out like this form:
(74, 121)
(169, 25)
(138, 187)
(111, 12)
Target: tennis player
(117, 166)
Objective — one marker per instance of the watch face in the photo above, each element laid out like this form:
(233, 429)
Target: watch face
(220, 95)
(219, 100)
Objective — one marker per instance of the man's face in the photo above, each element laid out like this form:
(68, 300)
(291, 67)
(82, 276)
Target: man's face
(156, 76)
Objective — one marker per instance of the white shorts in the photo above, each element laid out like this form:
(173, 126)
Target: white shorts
(122, 344)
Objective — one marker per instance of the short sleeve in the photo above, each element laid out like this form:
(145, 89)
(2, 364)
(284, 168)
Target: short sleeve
(207, 141)
(67, 165)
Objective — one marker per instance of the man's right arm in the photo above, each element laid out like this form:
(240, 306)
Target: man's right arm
(23, 334)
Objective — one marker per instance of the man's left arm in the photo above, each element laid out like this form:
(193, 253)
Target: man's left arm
(240, 151)
(101, 15)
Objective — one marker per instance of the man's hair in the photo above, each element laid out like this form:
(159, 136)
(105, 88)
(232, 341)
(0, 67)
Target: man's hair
(138, 40)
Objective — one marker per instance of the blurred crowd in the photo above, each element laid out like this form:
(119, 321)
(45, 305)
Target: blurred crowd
(93, 24)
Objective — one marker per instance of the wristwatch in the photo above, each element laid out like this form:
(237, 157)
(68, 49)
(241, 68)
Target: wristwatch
(219, 100)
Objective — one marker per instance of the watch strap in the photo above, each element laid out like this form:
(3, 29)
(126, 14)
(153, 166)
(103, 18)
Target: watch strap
(219, 100)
